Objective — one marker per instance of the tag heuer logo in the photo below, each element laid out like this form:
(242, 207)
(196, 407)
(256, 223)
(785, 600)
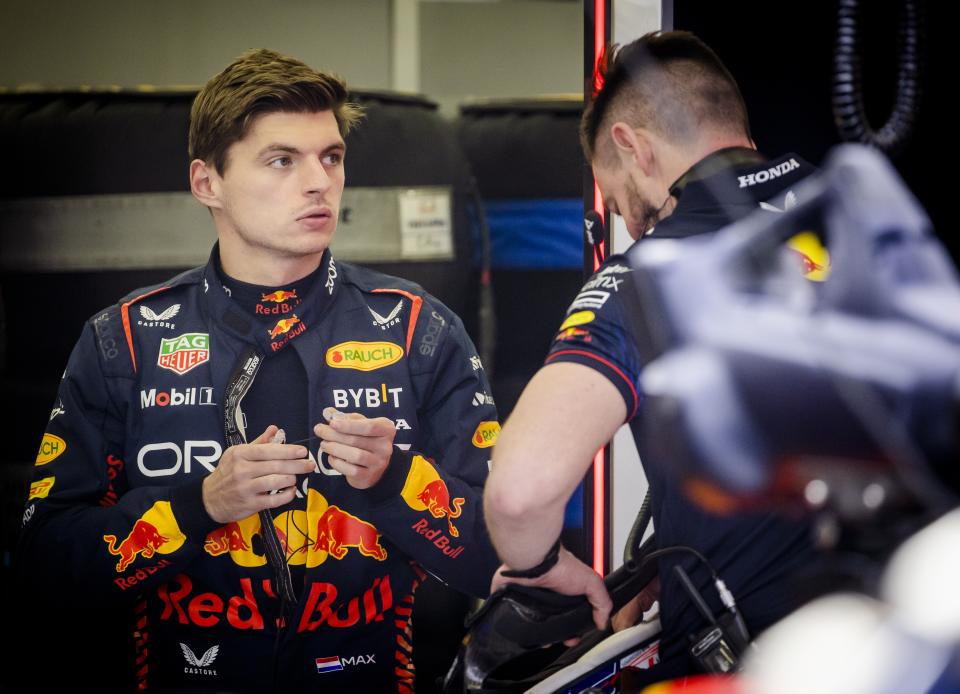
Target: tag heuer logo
(180, 354)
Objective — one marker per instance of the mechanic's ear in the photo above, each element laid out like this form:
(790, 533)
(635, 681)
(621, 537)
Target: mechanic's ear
(633, 146)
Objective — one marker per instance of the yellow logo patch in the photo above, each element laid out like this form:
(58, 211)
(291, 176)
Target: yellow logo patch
(40, 488)
(50, 448)
(815, 259)
(486, 434)
(364, 356)
(578, 318)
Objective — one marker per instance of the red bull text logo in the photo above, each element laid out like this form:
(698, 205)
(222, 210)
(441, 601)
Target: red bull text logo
(184, 353)
(325, 605)
(156, 531)
(286, 329)
(279, 309)
(363, 356)
(280, 298)
(424, 490)
(140, 575)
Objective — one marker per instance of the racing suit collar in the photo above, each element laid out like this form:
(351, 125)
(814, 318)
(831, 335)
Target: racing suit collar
(728, 184)
(716, 162)
(232, 317)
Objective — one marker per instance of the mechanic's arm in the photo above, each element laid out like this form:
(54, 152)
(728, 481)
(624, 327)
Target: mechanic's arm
(565, 415)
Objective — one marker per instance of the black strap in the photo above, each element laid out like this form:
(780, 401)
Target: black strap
(235, 429)
(549, 561)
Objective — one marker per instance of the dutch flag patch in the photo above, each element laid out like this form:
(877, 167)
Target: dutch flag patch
(331, 664)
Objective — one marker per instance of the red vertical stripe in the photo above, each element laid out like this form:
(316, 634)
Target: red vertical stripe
(599, 491)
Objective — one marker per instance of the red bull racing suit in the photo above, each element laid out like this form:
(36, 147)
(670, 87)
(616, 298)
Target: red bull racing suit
(115, 510)
(756, 553)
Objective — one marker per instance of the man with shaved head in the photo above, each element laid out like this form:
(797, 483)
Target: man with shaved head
(669, 141)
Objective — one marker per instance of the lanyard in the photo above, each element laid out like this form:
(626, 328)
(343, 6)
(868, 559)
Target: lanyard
(235, 428)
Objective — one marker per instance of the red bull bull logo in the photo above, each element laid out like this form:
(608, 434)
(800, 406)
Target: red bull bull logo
(813, 257)
(338, 530)
(575, 334)
(227, 538)
(308, 537)
(279, 296)
(424, 490)
(283, 326)
(143, 540)
(155, 532)
(436, 497)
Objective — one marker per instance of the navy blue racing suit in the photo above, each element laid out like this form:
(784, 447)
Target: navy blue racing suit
(115, 511)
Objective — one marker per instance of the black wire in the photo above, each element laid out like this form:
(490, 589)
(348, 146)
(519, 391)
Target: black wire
(848, 108)
(639, 527)
(677, 549)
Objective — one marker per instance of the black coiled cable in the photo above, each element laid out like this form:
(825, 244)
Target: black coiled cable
(848, 109)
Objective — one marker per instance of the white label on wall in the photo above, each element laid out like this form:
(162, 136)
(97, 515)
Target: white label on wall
(425, 227)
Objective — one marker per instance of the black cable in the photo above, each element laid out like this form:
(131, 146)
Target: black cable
(848, 108)
(726, 597)
(694, 594)
(639, 527)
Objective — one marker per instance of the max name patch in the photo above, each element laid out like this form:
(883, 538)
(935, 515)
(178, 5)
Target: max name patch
(363, 356)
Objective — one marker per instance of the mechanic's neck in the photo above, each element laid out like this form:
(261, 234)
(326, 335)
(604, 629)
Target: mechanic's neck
(264, 268)
(680, 159)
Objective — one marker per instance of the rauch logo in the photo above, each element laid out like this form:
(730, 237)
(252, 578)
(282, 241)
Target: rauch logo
(363, 356)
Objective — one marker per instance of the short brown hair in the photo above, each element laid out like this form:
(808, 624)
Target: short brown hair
(670, 82)
(261, 81)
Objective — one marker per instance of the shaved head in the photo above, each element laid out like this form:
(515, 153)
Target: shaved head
(669, 83)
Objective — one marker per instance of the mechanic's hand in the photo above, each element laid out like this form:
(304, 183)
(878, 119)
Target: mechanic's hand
(358, 447)
(632, 612)
(246, 474)
(569, 576)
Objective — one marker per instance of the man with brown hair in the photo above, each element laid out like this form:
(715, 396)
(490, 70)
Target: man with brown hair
(165, 479)
(669, 142)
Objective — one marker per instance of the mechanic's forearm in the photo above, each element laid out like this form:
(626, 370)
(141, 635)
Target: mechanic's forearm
(522, 530)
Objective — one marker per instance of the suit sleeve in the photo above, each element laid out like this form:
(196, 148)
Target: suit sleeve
(594, 333)
(430, 500)
(85, 533)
